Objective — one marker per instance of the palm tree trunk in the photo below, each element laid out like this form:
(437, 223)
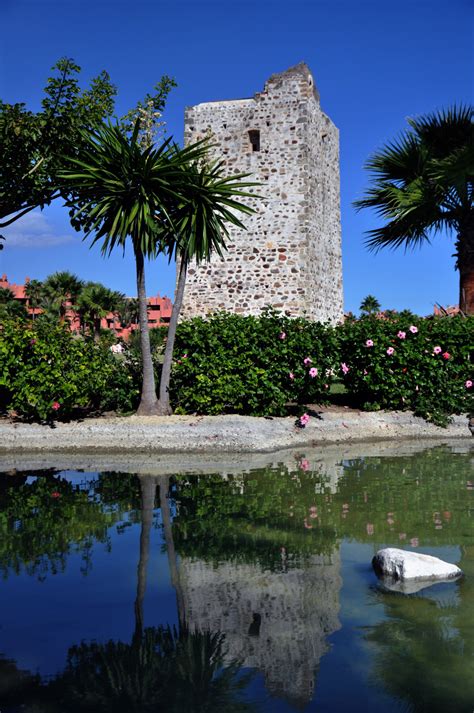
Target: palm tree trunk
(97, 329)
(172, 559)
(164, 401)
(148, 401)
(466, 267)
(148, 488)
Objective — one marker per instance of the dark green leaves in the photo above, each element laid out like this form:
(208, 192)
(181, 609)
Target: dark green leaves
(423, 182)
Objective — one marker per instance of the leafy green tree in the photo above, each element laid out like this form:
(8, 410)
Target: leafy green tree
(149, 112)
(423, 183)
(33, 145)
(126, 193)
(200, 218)
(369, 305)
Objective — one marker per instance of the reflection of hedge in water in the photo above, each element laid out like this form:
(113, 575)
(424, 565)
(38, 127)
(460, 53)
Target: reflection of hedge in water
(428, 498)
(250, 517)
(45, 519)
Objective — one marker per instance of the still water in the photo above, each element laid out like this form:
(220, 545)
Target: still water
(243, 589)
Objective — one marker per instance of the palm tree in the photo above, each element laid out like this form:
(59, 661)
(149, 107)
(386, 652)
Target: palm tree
(129, 312)
(201, 220)
(62, 290)
(423, 183)
(34, 292)
(10, 307)
(369, 305)
(95, 301)
(125, 192)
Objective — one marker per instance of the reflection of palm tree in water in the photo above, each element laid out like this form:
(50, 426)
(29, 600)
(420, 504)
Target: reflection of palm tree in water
(163, 668)
(169, 666)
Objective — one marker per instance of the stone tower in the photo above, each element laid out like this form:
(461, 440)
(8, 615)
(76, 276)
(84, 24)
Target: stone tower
(289, 257)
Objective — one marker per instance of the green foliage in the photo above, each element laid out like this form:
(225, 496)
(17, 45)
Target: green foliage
(149, 112)
(47, 372)
(423, 181)
(94, 302)
(157, 341)
(369, 305)
(236, 364)
(34, 144)
(58, 291)
(405, 372)
(10, 307)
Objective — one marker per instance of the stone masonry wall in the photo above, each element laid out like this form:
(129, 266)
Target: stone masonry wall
(290, 255)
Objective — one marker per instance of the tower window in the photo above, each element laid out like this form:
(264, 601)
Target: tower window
(254, 138)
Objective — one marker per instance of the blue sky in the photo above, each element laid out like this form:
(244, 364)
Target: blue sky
(375, 63)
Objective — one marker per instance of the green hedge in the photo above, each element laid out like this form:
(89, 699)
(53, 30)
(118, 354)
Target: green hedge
(250, 365)
(424, 365)
(48, 373)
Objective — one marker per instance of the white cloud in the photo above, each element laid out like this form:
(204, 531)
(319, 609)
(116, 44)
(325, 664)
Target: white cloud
(34, 231)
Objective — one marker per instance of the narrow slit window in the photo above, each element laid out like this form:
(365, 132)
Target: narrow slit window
(254, 138)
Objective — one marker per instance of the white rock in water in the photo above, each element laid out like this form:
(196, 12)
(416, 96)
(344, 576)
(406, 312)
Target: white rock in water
(403, 565)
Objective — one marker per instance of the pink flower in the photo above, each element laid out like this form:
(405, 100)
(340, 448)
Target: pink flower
(55, 494)
(437, 350)
(365, 372)
(390, 351)
(313, 372)
(282, 335)
(402, 535)
(326, 386)
(313, 509)
(369, 343)
(413, 329)
(303, 464)
(291, 376)
(55, 405)
(401, 335)
(468, 384)
(304, 420)
(344, 368)
(32, 342)
(307, 361)
(307, 525)
(414, 542)
(446, 356)
(185, 356)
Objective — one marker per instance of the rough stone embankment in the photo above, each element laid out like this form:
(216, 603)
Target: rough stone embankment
(220, 434)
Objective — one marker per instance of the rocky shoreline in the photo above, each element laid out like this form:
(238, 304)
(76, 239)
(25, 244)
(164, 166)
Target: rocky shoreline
(220, 434)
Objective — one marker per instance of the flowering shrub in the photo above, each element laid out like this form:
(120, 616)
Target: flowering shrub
(251, 365)
(408, 363)
(47, 373)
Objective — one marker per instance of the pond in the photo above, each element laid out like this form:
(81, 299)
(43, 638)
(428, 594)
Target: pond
(243, 586)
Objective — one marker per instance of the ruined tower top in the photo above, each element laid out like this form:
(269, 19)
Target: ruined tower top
(289, 258)
(301, 74)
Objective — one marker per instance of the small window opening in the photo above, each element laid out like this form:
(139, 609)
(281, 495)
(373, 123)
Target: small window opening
(254, 137)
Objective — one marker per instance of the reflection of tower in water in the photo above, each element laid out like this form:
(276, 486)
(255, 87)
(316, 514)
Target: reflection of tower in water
(274, 622)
